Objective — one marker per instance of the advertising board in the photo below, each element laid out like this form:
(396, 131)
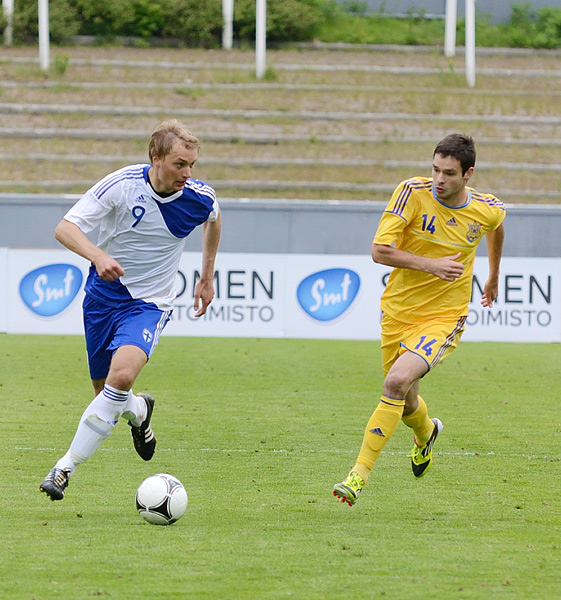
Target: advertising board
(281, 295)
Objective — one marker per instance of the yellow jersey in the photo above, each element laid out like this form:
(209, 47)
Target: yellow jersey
(416, 221)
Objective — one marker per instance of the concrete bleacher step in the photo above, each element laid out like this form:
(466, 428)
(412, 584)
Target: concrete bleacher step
(345, 125)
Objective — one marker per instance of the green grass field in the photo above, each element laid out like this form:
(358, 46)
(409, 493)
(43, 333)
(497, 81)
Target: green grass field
(259, 431)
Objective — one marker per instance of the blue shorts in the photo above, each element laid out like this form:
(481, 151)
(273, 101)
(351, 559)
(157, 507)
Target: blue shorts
(136, 323)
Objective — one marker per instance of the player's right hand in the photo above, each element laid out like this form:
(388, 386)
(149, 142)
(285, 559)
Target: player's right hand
(447, 267)
(108, 268)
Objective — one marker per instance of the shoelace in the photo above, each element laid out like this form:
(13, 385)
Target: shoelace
(355, 483)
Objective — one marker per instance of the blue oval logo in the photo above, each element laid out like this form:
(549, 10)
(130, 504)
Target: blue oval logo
(49, 290)
(326, 295)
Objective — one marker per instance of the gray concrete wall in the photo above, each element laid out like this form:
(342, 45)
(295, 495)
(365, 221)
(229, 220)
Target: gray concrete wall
(500, 10)
(277, 226)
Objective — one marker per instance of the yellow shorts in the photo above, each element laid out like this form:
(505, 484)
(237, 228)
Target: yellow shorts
(432, 341)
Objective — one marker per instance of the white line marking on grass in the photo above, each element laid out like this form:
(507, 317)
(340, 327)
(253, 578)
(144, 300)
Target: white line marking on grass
(293, 452)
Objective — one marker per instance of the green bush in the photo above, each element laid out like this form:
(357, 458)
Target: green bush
(63, 21)
(147, 19)
(377, 29)
(103, 18)
(527, 29)
(60, 63)
(197, 23)
(192, 21)
(287, 20)
(549, 28)
(3, 20)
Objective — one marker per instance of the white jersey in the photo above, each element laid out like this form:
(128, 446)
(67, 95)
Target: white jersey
(142, 231)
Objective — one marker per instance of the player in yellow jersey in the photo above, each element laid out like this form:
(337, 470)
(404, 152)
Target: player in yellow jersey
(428, 233)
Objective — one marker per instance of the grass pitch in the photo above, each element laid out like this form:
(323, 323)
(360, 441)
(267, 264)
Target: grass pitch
(259, 431)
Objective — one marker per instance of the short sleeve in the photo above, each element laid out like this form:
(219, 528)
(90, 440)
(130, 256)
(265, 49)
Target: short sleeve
(399, 212)
(214, 212)
(88, 212)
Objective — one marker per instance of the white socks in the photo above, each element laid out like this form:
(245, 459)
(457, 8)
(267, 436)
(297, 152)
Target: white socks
(135, 410)
(96, 424)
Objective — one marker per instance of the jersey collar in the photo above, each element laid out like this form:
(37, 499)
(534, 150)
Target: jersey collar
(448, 205)
(169, 198)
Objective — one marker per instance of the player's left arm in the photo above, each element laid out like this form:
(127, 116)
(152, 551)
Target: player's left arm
(494, 241)
(204, 289)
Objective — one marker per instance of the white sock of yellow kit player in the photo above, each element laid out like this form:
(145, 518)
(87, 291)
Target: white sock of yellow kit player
(380, 428)
(135, 410)
(420, 423)
(96, 424)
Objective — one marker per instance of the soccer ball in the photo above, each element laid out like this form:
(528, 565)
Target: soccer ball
(161, 499)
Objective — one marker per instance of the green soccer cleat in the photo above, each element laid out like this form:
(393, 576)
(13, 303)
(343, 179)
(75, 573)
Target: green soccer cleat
(421, 456)
(349, 490)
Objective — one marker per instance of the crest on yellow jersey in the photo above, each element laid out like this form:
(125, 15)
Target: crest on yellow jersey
(474, 232)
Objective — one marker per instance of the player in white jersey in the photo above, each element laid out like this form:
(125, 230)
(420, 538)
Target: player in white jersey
(144, 214)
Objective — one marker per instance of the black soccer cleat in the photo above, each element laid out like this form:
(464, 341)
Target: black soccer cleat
(143, 436)
(55, 483)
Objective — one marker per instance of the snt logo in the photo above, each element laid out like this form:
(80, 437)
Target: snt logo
(326, 295)
(49, 290)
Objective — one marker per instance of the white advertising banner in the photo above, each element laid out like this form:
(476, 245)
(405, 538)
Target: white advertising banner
(44, 291)
(529, 305)
(281, 295)
(3, 288)
(248, 300)
(333, 296)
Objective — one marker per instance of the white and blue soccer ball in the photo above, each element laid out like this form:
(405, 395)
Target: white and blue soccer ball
(161, 499)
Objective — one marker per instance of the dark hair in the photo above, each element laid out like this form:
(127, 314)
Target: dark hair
(458, 146)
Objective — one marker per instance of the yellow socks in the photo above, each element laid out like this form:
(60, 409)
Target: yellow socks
(380, 428)
(420, 423)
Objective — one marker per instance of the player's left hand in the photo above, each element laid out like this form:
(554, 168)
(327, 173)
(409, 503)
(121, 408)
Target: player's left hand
(490, 294)
(204, 294)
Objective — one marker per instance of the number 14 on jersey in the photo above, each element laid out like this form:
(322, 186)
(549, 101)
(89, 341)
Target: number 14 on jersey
(429, 225)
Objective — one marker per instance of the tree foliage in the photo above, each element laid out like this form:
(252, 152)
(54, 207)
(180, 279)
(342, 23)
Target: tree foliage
(191, 21)
(196, 23)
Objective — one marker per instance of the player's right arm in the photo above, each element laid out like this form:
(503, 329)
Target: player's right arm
(445, 267)
(71, 236)
(401, 210)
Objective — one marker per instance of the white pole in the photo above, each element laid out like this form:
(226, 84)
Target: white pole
(44, 34)
(260, 37)
(8, 10)
(228, 26)
(450, 32)
(470, 43)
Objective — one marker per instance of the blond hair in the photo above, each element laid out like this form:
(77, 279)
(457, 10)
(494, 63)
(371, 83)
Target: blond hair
(166, 134)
